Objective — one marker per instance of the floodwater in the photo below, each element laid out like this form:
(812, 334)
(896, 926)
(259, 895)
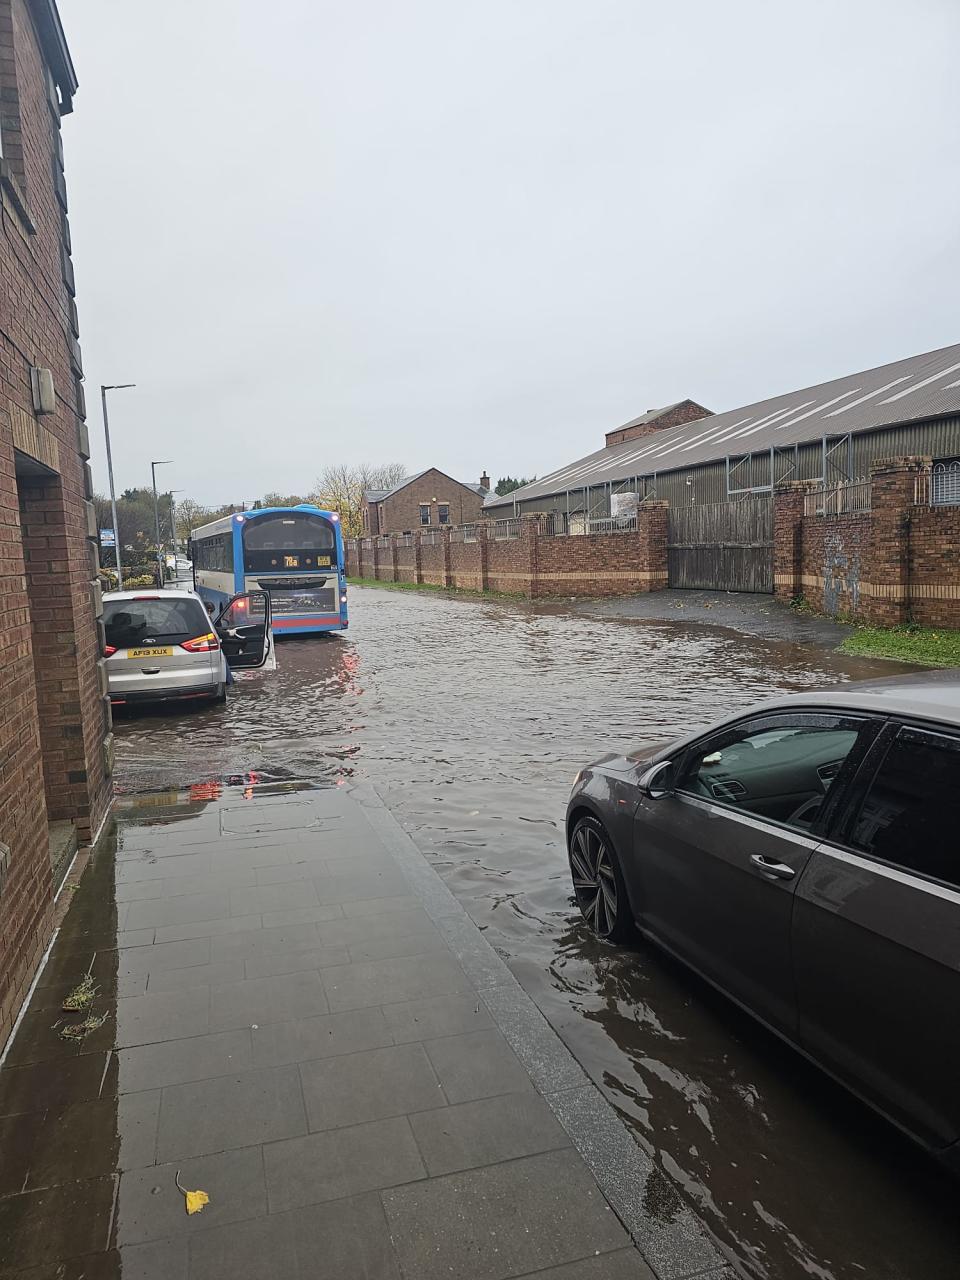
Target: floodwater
(472, 717)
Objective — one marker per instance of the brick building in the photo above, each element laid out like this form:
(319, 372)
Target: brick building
(430, 499)
(55, 740)
(673, 415)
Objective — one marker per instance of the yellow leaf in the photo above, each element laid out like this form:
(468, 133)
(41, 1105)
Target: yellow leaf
(196, 1200)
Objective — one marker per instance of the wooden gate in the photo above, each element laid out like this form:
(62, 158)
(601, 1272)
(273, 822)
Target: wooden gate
(722, 546)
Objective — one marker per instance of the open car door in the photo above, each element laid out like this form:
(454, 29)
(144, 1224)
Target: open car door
(244, 628)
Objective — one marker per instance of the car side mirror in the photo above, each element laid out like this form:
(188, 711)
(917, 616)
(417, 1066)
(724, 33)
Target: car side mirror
(657, 781)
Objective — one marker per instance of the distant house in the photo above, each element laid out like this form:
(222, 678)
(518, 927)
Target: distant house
(427, 500)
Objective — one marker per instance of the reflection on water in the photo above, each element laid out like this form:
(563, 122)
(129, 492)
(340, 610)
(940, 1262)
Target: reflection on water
(473, 717)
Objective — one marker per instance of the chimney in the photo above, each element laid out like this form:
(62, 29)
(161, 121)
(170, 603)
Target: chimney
(485, 482)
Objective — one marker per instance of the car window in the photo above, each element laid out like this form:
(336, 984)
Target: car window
(246, 611)
(780, 770)
(134, 622)
(910, 815)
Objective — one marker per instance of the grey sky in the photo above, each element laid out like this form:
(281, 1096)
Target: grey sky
(480, 235)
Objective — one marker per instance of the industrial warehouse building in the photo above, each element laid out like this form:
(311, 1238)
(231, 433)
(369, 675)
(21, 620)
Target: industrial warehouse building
(830, 434)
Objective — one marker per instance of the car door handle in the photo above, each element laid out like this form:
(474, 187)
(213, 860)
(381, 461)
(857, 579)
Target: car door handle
(770, 867)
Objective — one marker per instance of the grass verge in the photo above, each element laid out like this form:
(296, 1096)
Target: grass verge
(929, 646)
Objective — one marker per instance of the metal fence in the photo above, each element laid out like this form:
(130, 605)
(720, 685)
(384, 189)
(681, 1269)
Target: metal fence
(839, 499)
(469, 532)
(940, 486)
(405, 540)
(554, 524)
(613, 524)
(431, 537)
(506, 529)
(366, 544)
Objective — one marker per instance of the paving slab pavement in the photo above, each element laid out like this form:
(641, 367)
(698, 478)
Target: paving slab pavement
(300, 1019)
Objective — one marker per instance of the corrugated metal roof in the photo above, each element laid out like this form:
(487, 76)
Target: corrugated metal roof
(924, 386)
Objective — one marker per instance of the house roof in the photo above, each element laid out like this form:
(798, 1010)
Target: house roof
(54, 42)
(381, 495)
(920, 387)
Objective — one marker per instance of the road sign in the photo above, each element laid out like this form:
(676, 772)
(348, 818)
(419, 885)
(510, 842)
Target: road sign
(107, 538)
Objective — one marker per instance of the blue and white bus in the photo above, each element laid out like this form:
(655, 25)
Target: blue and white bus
(295, 554)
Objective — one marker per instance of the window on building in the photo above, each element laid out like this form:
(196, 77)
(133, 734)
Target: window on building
(443, 513)
(424, 513)
(366, 518)
(911, 813)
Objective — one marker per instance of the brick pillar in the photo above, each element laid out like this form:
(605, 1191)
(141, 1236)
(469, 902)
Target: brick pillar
(893, 490)
(529, 552)
(482, 549)
(417, 560)
(447, 574)
(788, 504)
(652, 532)
(393, 557)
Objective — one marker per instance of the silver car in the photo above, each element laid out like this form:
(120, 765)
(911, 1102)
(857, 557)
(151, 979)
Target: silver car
(162, 645)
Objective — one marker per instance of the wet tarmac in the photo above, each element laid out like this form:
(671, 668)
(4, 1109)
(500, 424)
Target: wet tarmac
(472, 717)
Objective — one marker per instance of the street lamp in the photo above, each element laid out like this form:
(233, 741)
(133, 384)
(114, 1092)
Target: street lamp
(165, 462)
(118, 386)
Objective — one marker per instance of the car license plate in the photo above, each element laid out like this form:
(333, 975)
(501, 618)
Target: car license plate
(156, 652)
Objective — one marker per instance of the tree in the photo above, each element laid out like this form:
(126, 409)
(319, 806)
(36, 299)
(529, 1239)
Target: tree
(190, 514)
(507, 484)
(342, 488)
(278, 500)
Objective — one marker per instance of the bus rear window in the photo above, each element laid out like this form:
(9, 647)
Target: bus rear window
(298, 540)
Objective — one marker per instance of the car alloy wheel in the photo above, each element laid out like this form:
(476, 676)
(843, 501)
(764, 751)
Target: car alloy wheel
(596, 880)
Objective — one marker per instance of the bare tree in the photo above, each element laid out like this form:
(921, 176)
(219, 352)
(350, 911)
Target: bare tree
(190, 514)
(342, 488)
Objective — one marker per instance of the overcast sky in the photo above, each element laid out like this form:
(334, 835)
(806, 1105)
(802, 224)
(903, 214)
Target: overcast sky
(479, 235)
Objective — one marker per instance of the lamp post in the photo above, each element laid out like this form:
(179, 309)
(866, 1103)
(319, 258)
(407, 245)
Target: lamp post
(165, 462)
(119, 386)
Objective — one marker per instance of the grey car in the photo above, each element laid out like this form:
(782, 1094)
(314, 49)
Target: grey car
(162, 645)
(803, 857)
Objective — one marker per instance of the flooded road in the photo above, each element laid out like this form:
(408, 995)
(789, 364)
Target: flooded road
(472, 717)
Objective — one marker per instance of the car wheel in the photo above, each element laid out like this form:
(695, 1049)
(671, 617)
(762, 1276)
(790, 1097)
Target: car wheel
(598, 882)
(221, 693)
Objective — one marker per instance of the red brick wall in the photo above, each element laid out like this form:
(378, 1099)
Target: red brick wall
(434, 563)
(48, 635)
(686, 411)
(898, 562)
(512, 562)
(408, 564)
(467, 565)
(612, 564)
(933, 550)
(837, 562)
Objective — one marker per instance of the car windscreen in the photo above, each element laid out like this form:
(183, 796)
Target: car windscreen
(282, 541)
(168, 621)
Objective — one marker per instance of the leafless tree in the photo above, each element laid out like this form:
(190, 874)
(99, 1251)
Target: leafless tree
(342, 488)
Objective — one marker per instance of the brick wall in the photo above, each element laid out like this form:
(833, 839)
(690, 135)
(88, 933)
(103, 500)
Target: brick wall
(54, 722)
(933, 554)
(468, 565)
(897, 562)
(435, 563)
(685, 411)
(408, 563)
